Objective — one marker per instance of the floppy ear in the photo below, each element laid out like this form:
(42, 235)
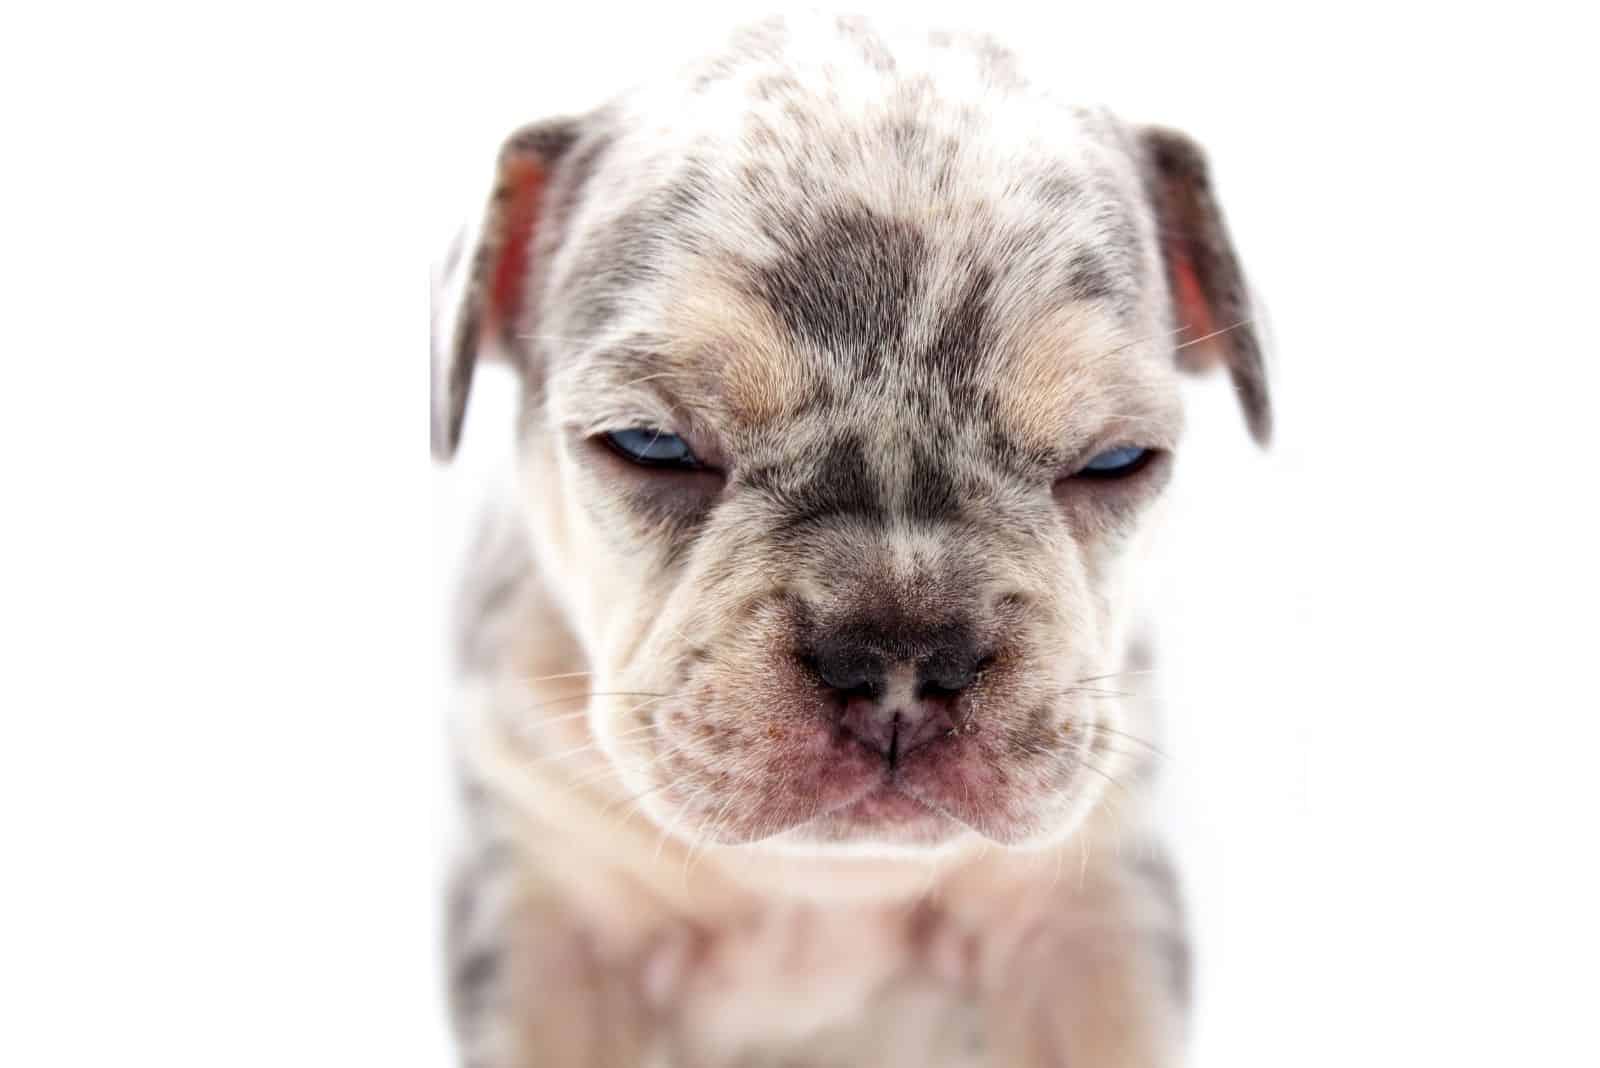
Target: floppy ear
(479, 294)
(1210, 303)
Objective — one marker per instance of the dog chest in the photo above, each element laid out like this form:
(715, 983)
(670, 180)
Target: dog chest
(804, 987)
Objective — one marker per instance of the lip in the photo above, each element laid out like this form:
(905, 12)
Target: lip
(886, 805)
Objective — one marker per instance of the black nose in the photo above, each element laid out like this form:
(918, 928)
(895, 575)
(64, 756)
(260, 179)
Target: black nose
(949, 669)
(896, 692)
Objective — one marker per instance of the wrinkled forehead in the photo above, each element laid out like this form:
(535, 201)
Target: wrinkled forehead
(894, 260)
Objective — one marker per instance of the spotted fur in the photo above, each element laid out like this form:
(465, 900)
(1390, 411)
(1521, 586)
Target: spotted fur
(894, 295)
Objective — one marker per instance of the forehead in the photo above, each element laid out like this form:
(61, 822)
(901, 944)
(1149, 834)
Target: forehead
(818, 224)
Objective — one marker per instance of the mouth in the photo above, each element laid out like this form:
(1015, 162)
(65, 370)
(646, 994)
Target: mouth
(806, 779)
(885, 805)
(886, 815)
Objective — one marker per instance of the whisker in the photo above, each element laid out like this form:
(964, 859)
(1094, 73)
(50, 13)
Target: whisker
(667, 830)
(1107, 776)
(1214, 333)
(1131, 754)
(654, 759)
(548, 721)
(587, 696)
(554, 337)
(592, 746)
(552, 720)
(551, 678)
(1115, 674)
(632, 801)
(1151, 746)
(1109, 353)
(557, 757)
(649, 378)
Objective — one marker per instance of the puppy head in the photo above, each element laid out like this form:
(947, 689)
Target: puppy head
(850, 373)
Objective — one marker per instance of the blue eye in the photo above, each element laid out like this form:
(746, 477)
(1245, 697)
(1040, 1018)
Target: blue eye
(652, 448)
(1115, 463)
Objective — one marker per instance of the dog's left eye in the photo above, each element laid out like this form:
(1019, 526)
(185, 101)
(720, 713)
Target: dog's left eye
(1116, 463)
(652, 448)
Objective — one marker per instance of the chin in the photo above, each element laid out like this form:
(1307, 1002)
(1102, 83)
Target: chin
(884, 821)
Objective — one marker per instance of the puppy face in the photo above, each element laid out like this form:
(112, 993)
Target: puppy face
(851, 389)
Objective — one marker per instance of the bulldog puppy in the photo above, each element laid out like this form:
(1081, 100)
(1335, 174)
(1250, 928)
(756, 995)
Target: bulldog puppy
(797, 722)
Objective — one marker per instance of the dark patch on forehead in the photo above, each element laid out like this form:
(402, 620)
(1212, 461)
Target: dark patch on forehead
(845, 282)
(962, 336)
(842, 486)
(932, 493)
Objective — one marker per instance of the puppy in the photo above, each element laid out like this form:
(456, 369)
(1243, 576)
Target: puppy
(794, 724)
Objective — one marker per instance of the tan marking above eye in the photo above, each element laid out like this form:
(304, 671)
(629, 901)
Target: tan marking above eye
(733, 346)
(1075, 378)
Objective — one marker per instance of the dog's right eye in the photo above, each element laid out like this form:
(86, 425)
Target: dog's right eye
(1116, 463)
(650, 447)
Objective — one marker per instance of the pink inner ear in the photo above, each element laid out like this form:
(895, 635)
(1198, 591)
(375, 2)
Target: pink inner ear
(1194, 314)
(521, 189)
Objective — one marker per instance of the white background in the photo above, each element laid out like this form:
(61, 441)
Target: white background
(222, 782)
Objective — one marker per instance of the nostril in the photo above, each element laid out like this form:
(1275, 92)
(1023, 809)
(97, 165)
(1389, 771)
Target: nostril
(949, 673)
(865, 691)
(849, 670)
(934, 689)
(848, 678)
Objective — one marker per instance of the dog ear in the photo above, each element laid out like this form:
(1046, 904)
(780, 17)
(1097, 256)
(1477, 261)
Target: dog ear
(479, 294)
(1210, 303)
